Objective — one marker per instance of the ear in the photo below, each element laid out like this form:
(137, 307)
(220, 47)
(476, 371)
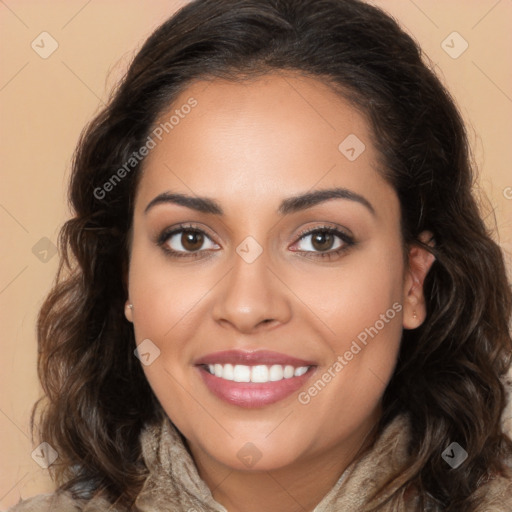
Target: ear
(128, 310)
(128, 306)
(420, 261)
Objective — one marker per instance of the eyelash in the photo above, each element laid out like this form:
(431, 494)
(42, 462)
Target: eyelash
(168, 233)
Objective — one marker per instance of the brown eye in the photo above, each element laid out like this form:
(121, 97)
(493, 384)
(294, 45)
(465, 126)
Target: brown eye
(192, 240)
(322, 241)
(185, 241)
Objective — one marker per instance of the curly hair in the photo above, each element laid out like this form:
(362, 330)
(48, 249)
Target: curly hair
(448, 376)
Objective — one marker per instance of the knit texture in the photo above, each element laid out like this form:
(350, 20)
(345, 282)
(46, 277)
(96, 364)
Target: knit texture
(174, 484)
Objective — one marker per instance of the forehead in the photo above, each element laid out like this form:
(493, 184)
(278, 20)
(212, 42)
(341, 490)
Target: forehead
(261, 140)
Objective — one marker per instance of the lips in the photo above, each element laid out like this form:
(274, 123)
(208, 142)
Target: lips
(253, 379)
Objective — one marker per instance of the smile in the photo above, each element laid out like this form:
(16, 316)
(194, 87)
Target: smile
(253, 378)
(260, 373)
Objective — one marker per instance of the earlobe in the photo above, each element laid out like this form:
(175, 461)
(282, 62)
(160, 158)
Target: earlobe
(128, 311)
(420, 260)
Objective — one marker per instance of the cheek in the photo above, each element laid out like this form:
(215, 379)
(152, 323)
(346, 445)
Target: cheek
(164, 301)
(164, 296)
(348, 299)
(360, 304)
(362, 308)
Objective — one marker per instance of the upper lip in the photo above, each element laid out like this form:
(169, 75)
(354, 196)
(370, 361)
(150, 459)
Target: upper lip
(258, 357)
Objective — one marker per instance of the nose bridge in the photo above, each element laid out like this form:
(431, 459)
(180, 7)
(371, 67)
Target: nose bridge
(252, 293)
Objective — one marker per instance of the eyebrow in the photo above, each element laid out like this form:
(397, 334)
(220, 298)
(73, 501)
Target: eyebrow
(290, 205)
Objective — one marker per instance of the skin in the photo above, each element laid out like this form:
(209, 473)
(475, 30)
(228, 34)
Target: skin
(249, 146)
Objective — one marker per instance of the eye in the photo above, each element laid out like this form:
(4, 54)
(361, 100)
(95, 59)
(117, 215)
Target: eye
(324, 242)
(185, 241)
(190, 241)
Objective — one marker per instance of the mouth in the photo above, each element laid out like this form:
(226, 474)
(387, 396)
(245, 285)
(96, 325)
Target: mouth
(259, 374)
(253, 379)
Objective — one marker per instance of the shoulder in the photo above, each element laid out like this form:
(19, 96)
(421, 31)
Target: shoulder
(495, 495)
(61, 502)
(56, 502)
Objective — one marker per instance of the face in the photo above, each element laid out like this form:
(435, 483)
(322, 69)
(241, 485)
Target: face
(265, 280)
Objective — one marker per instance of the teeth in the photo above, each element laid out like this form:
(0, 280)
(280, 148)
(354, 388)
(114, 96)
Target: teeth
(228, 372)
(300, 371)
(276, 372)
(242, 373)
(289, 371)
(259, 373)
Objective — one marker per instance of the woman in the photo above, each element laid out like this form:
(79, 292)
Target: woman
(277, 292)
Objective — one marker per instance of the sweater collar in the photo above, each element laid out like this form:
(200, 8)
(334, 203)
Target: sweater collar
(174, 483)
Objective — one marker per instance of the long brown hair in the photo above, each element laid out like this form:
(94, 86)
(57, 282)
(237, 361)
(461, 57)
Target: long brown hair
(448, 374)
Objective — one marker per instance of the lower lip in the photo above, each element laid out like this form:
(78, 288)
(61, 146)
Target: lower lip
(252, 394)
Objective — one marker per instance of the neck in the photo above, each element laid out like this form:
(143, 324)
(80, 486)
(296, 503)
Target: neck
(300, 486)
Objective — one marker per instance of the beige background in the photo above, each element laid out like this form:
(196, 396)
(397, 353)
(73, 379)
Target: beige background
(44, 104)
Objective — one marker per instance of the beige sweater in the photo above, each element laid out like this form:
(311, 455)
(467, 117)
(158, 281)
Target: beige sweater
(174, 485)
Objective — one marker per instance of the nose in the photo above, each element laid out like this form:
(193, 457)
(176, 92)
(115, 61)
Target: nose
(252, 297)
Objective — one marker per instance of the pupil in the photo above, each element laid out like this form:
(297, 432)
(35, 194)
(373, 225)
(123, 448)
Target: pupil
(322, 240)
